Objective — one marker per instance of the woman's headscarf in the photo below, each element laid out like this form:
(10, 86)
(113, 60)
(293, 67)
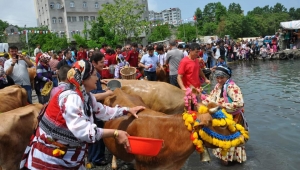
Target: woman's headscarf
(222, 71)
(80, 71)
(2, 59)
(225, 72)
(44, 58)
(3, 75)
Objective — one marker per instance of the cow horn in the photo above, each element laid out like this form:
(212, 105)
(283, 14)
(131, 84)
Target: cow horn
(214, 110)
(205, 157)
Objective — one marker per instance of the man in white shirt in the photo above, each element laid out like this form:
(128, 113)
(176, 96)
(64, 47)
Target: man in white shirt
(161, 55)
(16, 68)
(37, 50)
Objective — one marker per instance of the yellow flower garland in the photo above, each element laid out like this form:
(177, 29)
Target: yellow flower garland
(190, 122)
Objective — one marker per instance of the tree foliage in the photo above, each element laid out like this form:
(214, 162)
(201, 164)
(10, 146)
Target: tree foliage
(186, 32)
(160, 32)
(3, 26)
(48, 41)
(217, 20)
(123, 17)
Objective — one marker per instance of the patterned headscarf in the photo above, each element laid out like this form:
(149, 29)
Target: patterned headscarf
(80, 71)
(2, 59)
(222, 71)
(44, 58)
(3, 76)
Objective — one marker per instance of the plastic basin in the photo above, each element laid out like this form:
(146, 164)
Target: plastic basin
(145, 146)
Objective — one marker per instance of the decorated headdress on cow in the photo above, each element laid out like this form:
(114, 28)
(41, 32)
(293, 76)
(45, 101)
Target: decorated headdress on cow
(80, 71)
(44, 58)
(222, 71)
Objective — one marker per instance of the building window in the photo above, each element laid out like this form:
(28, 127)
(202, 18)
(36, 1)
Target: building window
(60, 20)
(84, 4)
(72, 5)
(92, 18)
(52, 5)
(96, 5)
(62, 34)
(74, 19)
(81, 18)
(69, 19)
(12, 30)
(47, 21)
(58, 6)
(54, 20)
(86, 18)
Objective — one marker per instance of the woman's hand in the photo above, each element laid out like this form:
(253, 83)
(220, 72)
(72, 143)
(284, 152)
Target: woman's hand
(134, 110)
(122, 138)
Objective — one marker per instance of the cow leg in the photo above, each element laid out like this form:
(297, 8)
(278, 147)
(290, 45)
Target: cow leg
(114, 163)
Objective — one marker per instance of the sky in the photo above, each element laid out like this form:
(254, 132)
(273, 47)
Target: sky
(22, 12)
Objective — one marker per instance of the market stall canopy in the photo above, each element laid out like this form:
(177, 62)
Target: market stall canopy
(291, 25)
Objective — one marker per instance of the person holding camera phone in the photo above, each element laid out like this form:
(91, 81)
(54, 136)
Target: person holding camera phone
(16, 68)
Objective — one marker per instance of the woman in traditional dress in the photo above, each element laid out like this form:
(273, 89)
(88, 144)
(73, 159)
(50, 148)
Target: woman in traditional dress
(228, 96)
(67, 125)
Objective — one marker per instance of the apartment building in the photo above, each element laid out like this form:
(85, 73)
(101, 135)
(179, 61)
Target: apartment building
(67, 17)
(170, 16)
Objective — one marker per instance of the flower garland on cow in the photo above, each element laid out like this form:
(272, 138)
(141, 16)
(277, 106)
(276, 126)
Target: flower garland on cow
(220, 118)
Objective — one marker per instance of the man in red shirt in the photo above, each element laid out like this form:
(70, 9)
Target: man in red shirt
(104, 48)
(189, 71)
(81, 55)
(133, 56)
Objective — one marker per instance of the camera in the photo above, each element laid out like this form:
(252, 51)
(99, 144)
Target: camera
(17, 57)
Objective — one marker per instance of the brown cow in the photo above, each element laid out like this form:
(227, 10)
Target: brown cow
(32, 74)
(151, 124)
(12, 97)
(15, 130)
(162, 74)
(158, 96)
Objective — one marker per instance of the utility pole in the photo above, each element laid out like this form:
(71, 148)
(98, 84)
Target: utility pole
(184, 31)
(26, 34)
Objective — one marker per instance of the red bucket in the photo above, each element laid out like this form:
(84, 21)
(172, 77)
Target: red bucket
(145, 146)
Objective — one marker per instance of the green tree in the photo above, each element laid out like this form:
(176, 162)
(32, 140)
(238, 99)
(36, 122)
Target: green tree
(220, 11)
(124, 18)
(199, 18)
(47, 40)
(278, 8)
(160, 32)
(234, 25)
(97, 29)
(235, 8)
(294, 13)
(3, 26)
(209, 12)
(186, 32)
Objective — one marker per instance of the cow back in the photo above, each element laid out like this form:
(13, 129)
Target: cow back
(15, 130)
(123, 99)
(158, 96)
(12, 97)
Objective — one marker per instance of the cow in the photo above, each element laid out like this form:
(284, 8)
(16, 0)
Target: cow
(32, 74)
(158, 96)
(177, 145)
(15, 130)
(162, 74)
(12, 97)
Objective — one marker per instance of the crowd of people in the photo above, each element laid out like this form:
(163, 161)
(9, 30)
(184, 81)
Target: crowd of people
(77, 77)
